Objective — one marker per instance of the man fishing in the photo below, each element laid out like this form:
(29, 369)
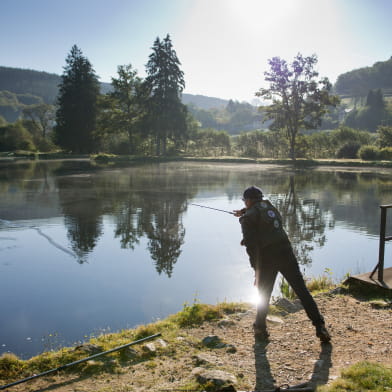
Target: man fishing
(270, 252)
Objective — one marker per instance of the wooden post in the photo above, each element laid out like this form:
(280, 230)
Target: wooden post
(381, 251)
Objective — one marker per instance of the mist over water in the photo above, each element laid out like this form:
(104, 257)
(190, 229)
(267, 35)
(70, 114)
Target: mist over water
(85, 250)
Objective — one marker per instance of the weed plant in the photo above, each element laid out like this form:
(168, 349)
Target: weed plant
(12, 368)
(363, 376)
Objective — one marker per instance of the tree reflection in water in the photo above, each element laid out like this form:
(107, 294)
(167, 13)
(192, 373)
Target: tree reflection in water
(304, 221)
(149, 201)
(82, 209)
(141, 206)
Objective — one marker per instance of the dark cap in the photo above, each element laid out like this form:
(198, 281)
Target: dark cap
(253, 193)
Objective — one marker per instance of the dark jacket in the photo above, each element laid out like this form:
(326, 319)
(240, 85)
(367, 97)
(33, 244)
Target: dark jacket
(262, 227)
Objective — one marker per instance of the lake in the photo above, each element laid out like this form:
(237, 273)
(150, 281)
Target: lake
(86, 250)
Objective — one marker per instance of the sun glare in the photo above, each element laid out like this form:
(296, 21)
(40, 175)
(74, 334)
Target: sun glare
(254, 297)
(258, 16)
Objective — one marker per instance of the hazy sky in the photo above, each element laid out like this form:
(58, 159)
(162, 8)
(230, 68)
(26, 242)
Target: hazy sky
(223, 45)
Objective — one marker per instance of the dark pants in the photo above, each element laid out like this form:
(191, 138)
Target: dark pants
(281, 259)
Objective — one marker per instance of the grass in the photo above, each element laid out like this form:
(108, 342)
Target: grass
(12, 368)
(320, 284)
(113, 159)
(363, 376)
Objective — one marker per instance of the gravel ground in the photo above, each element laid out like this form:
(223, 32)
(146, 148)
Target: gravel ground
(360, 331)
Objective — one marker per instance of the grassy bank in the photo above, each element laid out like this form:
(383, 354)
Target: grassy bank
(118, 160)
(129, 369)
(121, 159)
(13, 368)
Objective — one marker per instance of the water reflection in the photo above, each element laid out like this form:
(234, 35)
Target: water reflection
(149, 201)
(148, 206)
(303, 218)
(142, 249)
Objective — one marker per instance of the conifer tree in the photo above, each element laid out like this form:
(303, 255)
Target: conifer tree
(77, 101)
(165, 82)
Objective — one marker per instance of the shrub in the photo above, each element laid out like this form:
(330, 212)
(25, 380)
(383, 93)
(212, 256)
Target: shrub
(15, 137)
(348, 150)
(386, 154)
(369, 153)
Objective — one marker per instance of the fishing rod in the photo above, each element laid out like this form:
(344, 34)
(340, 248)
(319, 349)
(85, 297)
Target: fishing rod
(80, 361)
(211, 208)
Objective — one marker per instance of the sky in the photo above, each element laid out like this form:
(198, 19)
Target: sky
(223, 45)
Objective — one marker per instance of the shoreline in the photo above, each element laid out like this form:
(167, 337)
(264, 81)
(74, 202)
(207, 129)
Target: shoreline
(183, 359)
(109, 160)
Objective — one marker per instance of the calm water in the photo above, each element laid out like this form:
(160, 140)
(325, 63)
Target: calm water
(84, 250)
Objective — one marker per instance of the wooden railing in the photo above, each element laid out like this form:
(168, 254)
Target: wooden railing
(383, 239)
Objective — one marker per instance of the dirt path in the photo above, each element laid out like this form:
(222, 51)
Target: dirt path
(360, 331)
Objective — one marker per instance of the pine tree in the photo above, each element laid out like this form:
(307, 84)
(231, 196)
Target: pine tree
(165, 83)
(77, 101)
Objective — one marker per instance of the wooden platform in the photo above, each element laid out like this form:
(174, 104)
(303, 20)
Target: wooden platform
(364, 278)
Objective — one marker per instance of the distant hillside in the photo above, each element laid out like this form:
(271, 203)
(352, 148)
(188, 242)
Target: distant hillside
(358, 82)
(203, 102)
(27, 81)
(37, 83)
(45, 85)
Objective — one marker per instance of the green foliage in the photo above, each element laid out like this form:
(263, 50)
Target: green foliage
(363, 376)
(321, 145)
(259, 144)
(15, 137)
(197, 313)
(166, 117)
(346, 134)
(10, 107)
(121, 113)
(299, 100)
(358, 82)
(77, 112)
(348, 150)
(209, 142)
(3, 121)
(384, 136)
(315, 285)
(41, 115)
(286, 290)
(367, 118)
(386, 154)
(321, 283)
(369, 153)
(11, 365)
(30, 83)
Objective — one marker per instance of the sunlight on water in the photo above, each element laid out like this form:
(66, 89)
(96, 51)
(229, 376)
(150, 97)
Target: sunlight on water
(117, 248)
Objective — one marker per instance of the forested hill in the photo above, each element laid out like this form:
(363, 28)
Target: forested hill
(203, 102)
(26, 81)
(45, 85)
(38, 83)
(358, 82)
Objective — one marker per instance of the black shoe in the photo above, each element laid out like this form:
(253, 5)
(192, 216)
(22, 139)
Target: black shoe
(322, 334)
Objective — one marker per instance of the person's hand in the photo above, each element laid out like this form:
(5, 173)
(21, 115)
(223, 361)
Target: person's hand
(239, 213)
